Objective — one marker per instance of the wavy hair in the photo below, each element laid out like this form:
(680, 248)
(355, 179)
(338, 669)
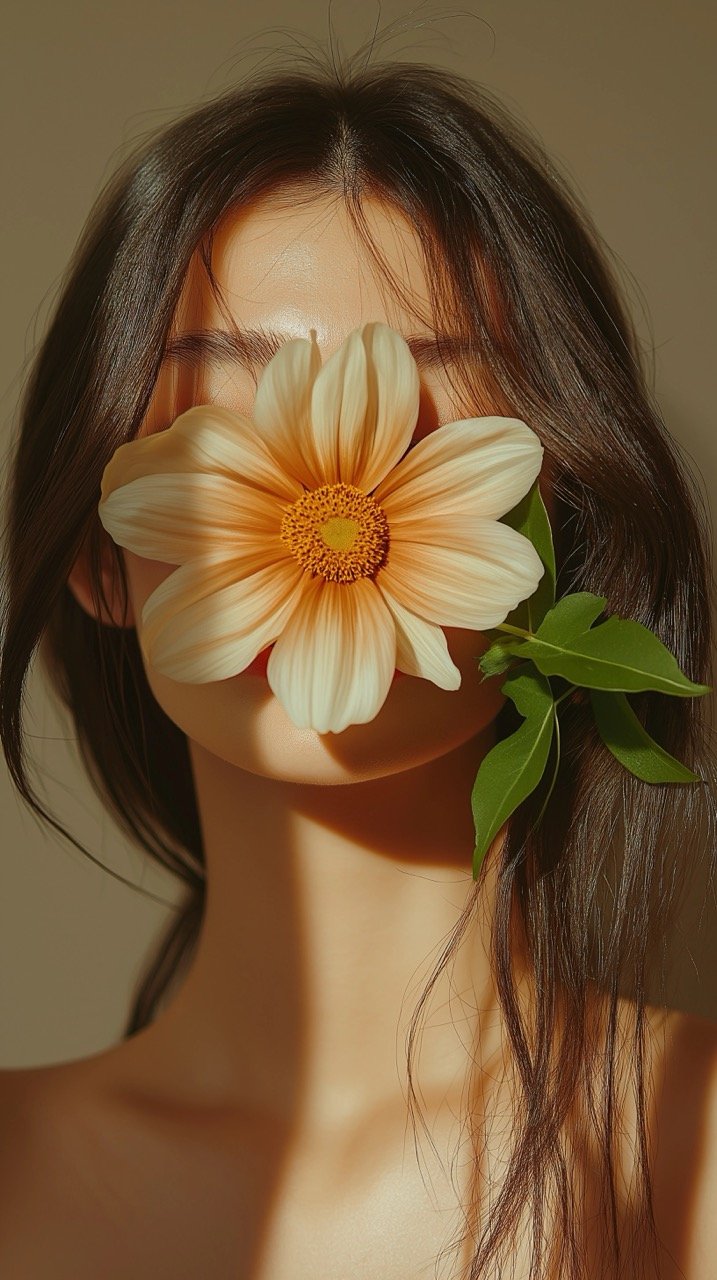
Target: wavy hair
(517, 269)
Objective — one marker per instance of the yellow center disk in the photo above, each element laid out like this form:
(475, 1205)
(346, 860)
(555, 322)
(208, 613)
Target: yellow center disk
(337, 531)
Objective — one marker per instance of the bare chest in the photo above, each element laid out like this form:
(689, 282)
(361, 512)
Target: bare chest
(88, 1192)
(117, 1202)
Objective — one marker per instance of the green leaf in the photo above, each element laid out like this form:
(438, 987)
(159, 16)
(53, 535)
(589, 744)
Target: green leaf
(630, 743)
(619, 654)
(571, 617)
(513, 767)
(530, 518)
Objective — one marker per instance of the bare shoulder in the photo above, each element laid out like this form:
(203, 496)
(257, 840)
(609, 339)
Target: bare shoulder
(29, 1129)
(21, 1123)
(679, 1075)
(45, 1173)
(684, 1130)
(66, 1162)
(107, 1178)
(20, 1119)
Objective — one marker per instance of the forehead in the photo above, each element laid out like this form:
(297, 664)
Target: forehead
(290, 264)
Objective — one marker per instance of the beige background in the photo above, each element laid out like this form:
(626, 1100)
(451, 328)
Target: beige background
(620, 94)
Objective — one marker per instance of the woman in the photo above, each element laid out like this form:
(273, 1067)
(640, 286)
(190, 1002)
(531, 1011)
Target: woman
(253, 1121)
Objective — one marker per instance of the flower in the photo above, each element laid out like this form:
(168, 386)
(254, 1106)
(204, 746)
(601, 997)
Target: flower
(317, 527)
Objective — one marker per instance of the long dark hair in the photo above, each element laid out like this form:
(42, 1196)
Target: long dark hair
(516, 267)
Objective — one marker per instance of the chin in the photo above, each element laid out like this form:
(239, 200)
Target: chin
(242, 722)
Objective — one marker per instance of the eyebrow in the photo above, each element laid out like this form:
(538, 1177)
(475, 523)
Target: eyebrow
(251, 348)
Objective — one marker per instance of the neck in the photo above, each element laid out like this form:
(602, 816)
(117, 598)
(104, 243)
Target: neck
(326, 910)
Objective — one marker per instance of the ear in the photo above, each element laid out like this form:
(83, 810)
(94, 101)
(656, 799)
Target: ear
(79, 580)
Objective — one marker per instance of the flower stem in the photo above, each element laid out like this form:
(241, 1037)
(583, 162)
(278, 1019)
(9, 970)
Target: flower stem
(514, 631)
(520, 631)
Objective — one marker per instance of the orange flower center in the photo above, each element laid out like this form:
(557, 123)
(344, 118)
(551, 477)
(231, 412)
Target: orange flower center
(337, 531)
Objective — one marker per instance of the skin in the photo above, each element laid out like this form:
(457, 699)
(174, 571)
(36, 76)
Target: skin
(337, 866)
(336, 863)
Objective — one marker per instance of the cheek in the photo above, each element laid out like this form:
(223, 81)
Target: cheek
(241, 722)
(465, 648)
(143, 576)
(463, 643)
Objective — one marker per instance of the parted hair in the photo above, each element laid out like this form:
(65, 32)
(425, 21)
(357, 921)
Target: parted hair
(516, 267)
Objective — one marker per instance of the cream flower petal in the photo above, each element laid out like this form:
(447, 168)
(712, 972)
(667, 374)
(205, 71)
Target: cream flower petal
(394, 392)
(333, 663)
(364, 407)
(176, 517)
(207, 438)
(475, 588)
(421, 648)
(281, 410)
(458, 532)
(339, 400)
(209, 619)
(479, 464)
